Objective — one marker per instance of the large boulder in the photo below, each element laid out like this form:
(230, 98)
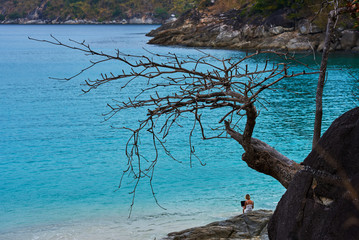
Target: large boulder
(276, 30)
(349, 39)
(245, 226)
(307, 27)
(322, 200)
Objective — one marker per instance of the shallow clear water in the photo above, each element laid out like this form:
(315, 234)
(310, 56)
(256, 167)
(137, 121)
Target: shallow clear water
(60, 164)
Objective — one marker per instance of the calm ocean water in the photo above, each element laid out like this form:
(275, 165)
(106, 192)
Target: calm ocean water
(61, 163)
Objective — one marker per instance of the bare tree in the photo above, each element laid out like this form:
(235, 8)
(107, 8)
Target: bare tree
(192, 86)
(332, 20)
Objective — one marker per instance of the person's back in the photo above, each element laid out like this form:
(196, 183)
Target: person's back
(248, 204)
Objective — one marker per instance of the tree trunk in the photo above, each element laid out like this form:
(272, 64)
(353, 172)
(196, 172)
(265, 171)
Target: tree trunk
(332, 18)
(265, 159)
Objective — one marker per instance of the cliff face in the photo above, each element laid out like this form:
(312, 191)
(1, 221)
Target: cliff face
(230, 30)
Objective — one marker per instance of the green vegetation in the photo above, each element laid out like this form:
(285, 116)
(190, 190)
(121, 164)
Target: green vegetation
(267, 6)
(299, 8)
(314, 9)
(14, 15)
(102, 10)
(96, 9)
(87, 9)
(161, 13)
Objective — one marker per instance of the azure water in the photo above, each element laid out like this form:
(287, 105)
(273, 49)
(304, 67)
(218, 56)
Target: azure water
(61, 163)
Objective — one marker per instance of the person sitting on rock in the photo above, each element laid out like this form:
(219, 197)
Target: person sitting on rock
(248, 204)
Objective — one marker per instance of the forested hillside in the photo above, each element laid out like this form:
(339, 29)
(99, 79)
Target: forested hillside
(90, 9)
(107, 10)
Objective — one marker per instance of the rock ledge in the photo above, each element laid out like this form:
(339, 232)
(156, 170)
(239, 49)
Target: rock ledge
(245, 226)
(230, 31)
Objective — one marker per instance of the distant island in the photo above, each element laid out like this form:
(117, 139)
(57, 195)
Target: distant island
(90, 11)
(235, 24)
(152, 11)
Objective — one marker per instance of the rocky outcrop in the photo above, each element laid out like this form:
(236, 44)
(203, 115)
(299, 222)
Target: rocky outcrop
(322, 200)
(245, 226)
(141, 20)
(230, 30)
(349, 38)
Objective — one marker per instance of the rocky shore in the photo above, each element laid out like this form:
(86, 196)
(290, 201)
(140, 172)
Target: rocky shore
(245, 226)
(230, 30)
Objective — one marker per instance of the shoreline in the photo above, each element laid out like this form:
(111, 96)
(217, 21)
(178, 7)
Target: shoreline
(226, 31)
(219, 35)
(127, 21)
(114, 226)
(73, 22)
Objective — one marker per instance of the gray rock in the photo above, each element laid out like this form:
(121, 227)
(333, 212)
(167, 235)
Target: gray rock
(140, 20)
(306, 27)
(37, 21)
(333, 46)
(299, 44)
(226, 33)
(260, 32)
(245, 226)
(321, 201)
(349, 39)
(338, 46)
(148, 21)
(70, 22)
(248, 31)
(314, 29)
(276, 42)
(288, 29)
(276, 30)
(135, 20)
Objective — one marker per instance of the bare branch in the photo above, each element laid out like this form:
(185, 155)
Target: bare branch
(173, 88)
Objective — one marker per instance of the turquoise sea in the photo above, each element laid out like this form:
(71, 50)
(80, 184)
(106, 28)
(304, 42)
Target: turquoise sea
(61, 164)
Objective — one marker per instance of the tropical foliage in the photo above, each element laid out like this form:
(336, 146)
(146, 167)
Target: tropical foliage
(354, 5)
(87, 9)
(162, 9)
